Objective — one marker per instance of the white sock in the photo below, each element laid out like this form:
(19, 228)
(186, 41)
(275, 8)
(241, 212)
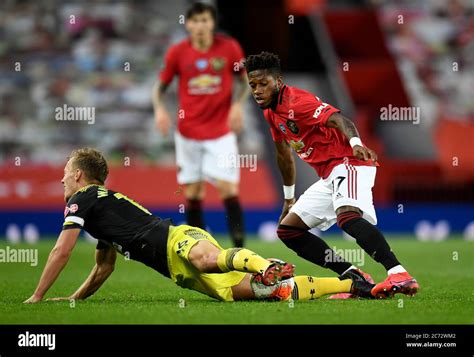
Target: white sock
(352, 267)
(396, 269)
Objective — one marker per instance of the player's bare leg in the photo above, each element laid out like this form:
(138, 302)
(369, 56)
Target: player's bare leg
(208, 258)
(229, 193)
(373, 242)
(194, 193)
(243, 290)
(294, 233)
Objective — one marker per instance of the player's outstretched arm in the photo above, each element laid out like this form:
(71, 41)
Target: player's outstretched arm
(348, 128)
(286, 164)
(57, 260)
(105, 264)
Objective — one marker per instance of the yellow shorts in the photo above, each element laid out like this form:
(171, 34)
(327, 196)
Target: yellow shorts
(180, 241)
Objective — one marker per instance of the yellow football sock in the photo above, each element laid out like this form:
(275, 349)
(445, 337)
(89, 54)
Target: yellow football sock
(309, 287)
(241, 259)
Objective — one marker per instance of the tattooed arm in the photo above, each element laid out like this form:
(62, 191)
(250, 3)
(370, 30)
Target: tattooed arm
(348, 128)
(338, 121)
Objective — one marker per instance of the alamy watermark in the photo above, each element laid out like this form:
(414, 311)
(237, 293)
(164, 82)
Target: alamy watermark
(354, 256)
(248, 161)
(393, 113)
(67, 113)
(14, 255)
(28, 339)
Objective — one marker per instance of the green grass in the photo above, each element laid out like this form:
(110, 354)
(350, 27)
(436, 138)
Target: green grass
(135, 294)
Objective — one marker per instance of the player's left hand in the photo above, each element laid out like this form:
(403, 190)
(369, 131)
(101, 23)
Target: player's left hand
(235, 118)
(32, 300)
(363, 153)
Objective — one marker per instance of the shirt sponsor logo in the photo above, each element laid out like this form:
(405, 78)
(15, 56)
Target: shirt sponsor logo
(318, 110)
(306, 154)
(204, 84)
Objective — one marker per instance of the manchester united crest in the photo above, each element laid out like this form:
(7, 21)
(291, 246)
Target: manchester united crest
(292, 126)
(217, 63)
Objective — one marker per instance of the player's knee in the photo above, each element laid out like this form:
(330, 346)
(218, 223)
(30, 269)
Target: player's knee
(204, 260)
(208, 263)
(344, 209)
(293, 220)
(194, 191)
(227, 189)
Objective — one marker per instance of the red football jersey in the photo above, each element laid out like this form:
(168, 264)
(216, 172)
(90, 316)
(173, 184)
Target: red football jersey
(300, 118)
(205, 85)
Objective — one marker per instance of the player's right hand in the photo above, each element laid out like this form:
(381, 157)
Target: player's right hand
(286, 208)
(162, 121)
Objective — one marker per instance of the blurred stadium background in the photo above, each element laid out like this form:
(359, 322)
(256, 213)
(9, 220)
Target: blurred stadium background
(358, 55)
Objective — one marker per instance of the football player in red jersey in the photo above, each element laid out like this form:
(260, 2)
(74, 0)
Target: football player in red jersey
(208, 116)
(330, 143)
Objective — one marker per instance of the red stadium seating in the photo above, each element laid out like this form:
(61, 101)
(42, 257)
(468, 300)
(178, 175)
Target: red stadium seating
(454, 140)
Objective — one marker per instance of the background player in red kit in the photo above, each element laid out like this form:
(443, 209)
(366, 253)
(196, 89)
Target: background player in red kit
(330, 143)
(205, 63)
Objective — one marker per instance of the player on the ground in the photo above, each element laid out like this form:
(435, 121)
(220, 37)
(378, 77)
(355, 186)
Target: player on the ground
(205, 145)
(330, 143)
(190, 256)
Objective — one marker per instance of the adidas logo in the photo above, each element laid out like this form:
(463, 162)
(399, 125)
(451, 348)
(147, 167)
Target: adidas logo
(338, 195)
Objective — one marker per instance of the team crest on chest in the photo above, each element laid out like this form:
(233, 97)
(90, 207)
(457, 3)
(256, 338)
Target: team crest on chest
(217, 63)
(292, 126)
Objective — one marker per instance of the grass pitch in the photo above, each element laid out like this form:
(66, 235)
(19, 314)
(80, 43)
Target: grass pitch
(135, 294)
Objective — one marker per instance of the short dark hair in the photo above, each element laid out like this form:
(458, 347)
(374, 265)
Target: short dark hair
(92, 162)
(265, 60)
(199, 8)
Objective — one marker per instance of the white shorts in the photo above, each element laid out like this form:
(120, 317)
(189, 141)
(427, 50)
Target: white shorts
(200, 160)
(347, 185)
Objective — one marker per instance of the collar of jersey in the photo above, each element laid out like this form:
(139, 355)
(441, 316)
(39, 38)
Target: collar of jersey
(279, 98)
(85, 188)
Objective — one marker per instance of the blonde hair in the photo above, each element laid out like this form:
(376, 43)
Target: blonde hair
(91, 162)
